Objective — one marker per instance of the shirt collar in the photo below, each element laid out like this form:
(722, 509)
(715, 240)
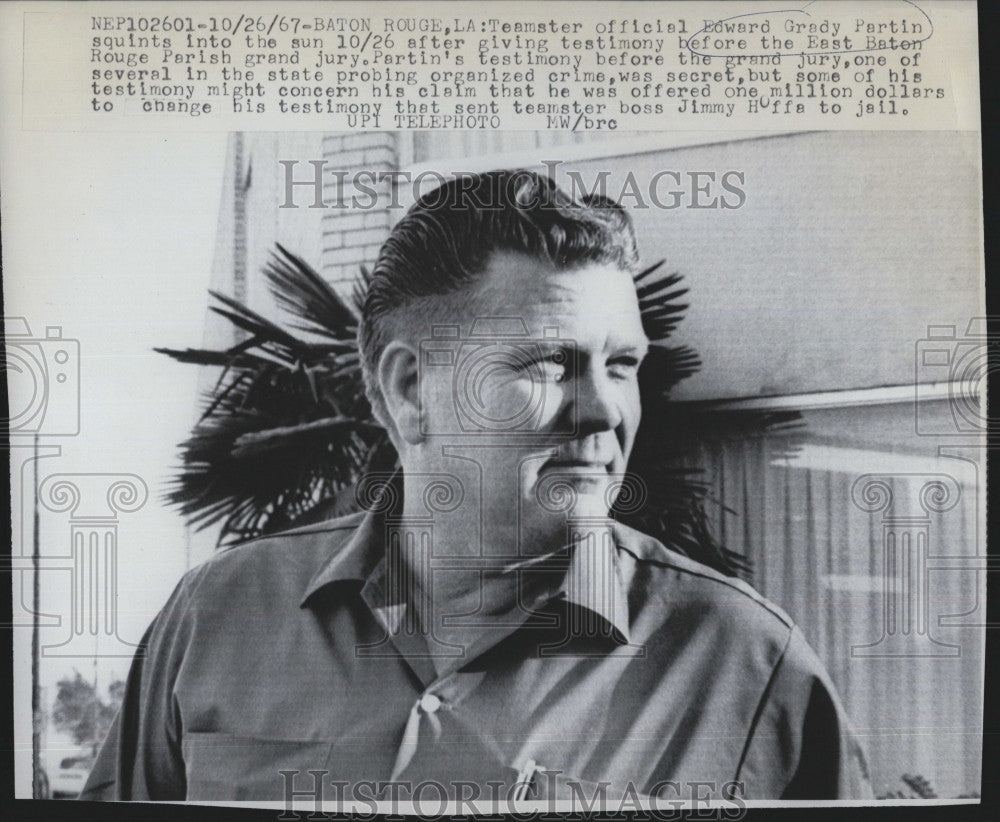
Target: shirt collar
(354, 561)
(596, 580)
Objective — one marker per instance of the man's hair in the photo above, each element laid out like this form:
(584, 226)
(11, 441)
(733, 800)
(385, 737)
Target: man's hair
(446, 239)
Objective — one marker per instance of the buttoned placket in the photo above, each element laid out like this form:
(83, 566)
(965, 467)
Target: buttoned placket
(439, 692)
(387, 595)
(427, 705)
(411, 646)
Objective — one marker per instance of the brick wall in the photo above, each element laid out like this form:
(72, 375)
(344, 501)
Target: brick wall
(352, 235)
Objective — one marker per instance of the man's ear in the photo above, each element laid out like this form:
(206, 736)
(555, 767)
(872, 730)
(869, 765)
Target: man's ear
(397, 379)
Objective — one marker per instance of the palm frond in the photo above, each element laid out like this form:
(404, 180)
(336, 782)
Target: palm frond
(196, 356)
(259, 327)
(287, 427)
(301, 291)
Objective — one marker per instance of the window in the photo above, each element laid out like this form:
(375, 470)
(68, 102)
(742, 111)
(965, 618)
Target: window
(871, 537)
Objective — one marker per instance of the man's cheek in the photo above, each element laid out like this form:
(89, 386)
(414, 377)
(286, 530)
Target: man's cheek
(631, 417)
(437, 405)
(515, 403)
(556, 409)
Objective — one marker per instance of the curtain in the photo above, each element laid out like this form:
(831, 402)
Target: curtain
(886, 591)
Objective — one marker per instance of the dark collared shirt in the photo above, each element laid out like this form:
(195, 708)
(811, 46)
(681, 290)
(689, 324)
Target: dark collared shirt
(293, 653)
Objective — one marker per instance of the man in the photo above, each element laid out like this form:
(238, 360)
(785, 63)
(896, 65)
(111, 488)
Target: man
(485, 627)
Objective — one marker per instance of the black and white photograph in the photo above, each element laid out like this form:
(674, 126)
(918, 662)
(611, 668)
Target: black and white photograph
(408, 466)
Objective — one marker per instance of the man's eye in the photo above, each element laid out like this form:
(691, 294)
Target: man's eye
(625, 366)
(548, 367)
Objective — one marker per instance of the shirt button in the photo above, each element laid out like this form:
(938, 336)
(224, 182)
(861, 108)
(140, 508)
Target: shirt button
(430, 703)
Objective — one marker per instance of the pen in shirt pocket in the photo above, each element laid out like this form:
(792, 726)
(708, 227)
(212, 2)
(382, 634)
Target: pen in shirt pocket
(525, 778)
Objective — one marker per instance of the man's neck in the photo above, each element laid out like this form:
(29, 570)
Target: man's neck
(473, 578)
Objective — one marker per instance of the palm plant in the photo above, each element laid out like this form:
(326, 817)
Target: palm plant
(286, 433)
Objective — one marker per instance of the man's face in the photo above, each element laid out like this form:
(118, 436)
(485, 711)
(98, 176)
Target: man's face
(540, 396)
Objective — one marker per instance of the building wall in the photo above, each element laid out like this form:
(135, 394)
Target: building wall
(848, 247)
(351, 237)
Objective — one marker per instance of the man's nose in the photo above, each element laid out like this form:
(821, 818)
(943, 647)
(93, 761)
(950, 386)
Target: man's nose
(596, 406)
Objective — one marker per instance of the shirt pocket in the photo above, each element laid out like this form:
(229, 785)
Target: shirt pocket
(554, 785)
(571, 793)
(228, 767)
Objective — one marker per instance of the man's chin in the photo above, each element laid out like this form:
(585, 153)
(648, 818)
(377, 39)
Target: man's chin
(564, 489)
(570, 500)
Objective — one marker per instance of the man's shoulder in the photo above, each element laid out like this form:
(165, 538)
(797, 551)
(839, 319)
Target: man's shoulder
(272, 563)
(683, 588)
(298, 538)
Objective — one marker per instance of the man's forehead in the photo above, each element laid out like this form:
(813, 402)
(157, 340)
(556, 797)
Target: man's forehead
(537, 289)
(517, 295)
(538, 270)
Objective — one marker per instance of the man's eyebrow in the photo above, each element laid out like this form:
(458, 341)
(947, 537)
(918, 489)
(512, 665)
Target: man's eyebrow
(552, 344)
(638, 348)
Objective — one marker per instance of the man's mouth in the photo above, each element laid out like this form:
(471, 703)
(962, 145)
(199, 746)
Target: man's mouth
(577, 466)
